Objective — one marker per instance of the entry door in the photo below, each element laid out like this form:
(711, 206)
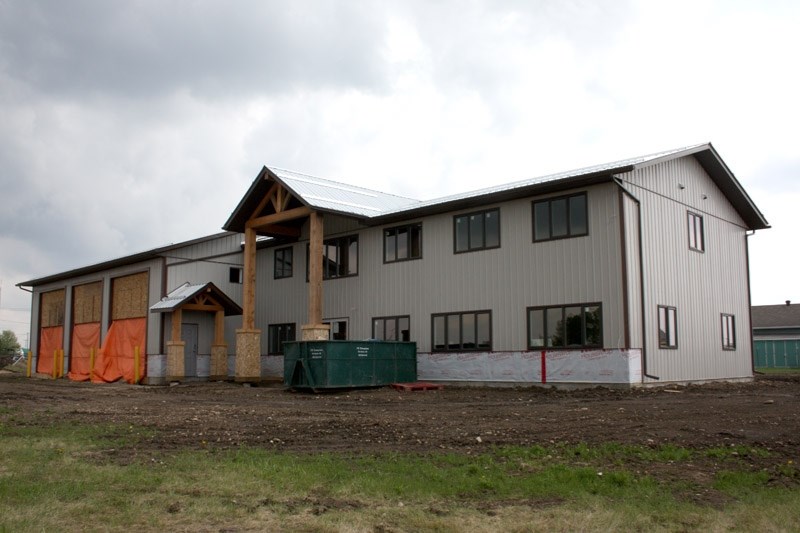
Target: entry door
(189, 336)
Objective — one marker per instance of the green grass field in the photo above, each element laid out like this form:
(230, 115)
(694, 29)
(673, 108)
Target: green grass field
(77, 478)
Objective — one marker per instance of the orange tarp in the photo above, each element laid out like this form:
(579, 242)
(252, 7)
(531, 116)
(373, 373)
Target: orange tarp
(50, 339)
(85, 337)
(115, 358)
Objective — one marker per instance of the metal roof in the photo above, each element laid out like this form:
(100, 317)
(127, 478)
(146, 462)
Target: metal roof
(776, 316)
(187, 291)
(604, 170)
(332, 196)
(119, 261)
(375, 208)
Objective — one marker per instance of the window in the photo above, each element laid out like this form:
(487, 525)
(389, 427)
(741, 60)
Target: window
(391, 328)
(338, 328)
(696, 237)
(278, 334)
(728, 332)
(283, 263)
(477, 231)
(235, 275)
(402, 243)
(468, 331)
(565, 326)
(667, 327)
(339, 257)
(560, 218)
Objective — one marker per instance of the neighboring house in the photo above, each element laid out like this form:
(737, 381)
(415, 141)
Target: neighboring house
(632, 272)
(776, 335)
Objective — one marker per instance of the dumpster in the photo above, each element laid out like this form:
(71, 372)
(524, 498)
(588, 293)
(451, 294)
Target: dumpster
(320, 365)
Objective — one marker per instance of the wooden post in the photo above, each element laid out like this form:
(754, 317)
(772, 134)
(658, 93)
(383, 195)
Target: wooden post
(61, 363)
(91, 362)
(315, 269)
(55, 363)
(135, 365)
(219, 327)
(177, 317)
(249, 289)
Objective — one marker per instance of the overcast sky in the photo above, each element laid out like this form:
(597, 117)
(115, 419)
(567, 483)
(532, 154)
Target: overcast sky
(129, 125)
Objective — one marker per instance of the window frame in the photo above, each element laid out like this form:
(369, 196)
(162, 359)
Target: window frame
(692, 220)
(461, 347)
(350, 238)
(545, 308)
(284, 275)
(665, 344)
(549, 201)
(467, 216)
(271, 328)
(396, 320)
(728, 331)
(395, 229)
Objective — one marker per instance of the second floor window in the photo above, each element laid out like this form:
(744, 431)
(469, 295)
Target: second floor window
(696, 237)
(402, 243)
(339, 257)
(283, 263)
(477, 231)
(560, 218)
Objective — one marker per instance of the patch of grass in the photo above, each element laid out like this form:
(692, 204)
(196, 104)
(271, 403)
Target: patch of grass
(766, 370)
(59, 477)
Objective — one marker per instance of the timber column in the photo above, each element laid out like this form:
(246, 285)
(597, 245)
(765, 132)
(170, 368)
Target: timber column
(176, 362)
(219, 350)
(315, 330)
(248, 339)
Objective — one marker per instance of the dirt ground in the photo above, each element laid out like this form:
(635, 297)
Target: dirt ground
(764, 413)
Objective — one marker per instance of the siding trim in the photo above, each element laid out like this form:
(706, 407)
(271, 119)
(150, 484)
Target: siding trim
(624, 251)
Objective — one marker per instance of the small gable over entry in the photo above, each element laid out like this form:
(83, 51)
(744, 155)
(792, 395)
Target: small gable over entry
(196, 297)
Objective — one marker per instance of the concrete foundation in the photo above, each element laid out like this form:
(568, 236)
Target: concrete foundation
(176, 368)
(248, 355)
(219, 362)
(315, 332)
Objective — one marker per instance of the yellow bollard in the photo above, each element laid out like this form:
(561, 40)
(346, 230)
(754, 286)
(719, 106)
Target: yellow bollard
(135, 365)
(30, 362)
(55, 364)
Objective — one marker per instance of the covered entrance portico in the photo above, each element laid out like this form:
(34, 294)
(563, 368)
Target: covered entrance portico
(270, 208)
(205, 298)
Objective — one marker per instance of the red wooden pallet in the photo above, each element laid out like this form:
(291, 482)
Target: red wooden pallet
(417, 385)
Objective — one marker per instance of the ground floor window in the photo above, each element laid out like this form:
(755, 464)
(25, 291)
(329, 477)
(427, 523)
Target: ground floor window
(391, 328)
(278, 334)
(464, 331)
(565, 326)
(338, 328)
(667, 327)
(728, 332)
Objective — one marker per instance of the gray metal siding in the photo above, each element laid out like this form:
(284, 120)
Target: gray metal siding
(506, 280)
(701, 286)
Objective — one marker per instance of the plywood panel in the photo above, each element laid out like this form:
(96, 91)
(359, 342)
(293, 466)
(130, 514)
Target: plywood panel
(129, 296)
(86, 303)
(53, 306)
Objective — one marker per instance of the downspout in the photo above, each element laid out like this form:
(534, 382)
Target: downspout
(641, 276)
(749, 301)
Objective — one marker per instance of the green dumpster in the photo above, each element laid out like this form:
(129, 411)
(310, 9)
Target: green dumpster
(342, 364)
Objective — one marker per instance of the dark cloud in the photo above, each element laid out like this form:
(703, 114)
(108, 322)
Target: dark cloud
(94, 47)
